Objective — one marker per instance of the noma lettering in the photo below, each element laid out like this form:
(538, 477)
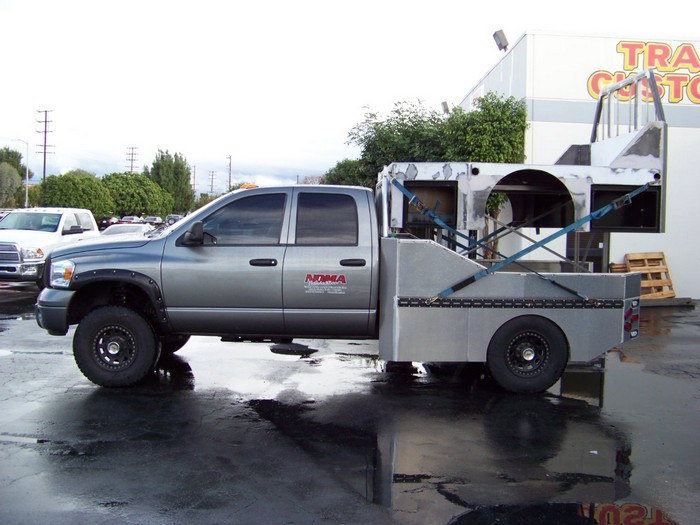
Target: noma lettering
(324, 278)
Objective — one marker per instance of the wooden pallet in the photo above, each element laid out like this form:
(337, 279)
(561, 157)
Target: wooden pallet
(656, 280)
(617, 267)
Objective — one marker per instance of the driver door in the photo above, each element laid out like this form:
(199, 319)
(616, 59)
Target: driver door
(232, 283)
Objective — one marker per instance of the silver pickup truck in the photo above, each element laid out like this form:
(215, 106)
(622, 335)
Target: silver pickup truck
(311, 262)
(256, 264)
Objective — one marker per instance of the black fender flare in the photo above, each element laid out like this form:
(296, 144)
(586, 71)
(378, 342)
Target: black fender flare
(142, 281)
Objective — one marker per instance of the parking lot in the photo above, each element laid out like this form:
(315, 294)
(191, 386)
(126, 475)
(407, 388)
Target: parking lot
(246, 433)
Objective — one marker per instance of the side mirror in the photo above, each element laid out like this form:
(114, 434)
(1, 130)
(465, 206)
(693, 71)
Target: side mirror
(194, 235)
(73, 230)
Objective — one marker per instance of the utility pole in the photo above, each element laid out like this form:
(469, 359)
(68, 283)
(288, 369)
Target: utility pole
(211, 182)
(229, 173)
(131, 155)
(45, 131)
(194, 178)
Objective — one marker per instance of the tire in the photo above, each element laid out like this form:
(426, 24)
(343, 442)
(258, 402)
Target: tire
(527, 354)
(169, 344)
(114, 346)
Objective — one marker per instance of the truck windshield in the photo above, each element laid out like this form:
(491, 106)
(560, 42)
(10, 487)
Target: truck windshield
(45, 222)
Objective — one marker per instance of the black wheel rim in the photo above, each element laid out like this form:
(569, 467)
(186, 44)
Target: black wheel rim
(527, 354)
(114, 348)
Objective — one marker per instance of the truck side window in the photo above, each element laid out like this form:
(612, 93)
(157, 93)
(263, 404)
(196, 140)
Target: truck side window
(85, 221)
(249, 220)
(326, 219)
(70, 221)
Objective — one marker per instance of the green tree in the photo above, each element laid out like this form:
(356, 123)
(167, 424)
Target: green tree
(10, 181)
(172, 173)
(493, 132)
(411, 133)
(34, 194)
(136, 194)
(14, 159)
(81, 173)
(204, 199)
(77, 191)
(346, 172)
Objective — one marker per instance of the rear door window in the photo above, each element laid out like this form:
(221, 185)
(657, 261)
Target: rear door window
(70, 221)
(326, 219)
(85, 221)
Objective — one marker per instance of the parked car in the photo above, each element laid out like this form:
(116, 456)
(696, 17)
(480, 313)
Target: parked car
(130, 219)
(104, 222)
(154, 220)
(134, 229)
(172, 218)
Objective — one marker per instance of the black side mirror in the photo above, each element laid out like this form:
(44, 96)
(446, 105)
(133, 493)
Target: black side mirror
(73, 230)
(194, 235)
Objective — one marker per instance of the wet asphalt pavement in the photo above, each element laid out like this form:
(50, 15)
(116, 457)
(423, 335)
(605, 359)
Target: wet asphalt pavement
(237, 433)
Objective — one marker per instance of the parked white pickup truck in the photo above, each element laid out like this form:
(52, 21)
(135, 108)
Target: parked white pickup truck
(28, 235)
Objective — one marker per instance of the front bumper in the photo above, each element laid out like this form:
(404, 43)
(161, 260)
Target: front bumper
(27, 272)
(52, 310)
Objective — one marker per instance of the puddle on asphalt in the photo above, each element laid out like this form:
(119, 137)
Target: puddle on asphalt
(464, 452)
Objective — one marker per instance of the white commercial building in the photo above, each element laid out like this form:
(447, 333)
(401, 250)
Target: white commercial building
(560, 76)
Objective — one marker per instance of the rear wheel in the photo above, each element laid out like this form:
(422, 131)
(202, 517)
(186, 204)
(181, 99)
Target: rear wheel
(527, 354)
(115, 346)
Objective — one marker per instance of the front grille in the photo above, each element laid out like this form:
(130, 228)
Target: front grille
(9, 253)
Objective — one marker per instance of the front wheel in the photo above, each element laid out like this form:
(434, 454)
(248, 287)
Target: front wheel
(115, 346)
(527, 354)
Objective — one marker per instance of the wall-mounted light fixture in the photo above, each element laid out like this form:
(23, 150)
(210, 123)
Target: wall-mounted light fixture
(501, 40)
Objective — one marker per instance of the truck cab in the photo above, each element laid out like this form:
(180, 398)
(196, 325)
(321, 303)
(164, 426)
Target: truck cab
(298, 261)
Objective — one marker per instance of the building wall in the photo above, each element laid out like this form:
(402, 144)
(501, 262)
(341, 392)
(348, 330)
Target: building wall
(559, 77)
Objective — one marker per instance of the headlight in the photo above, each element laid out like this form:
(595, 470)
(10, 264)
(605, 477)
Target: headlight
(61, 273)
(32, 253)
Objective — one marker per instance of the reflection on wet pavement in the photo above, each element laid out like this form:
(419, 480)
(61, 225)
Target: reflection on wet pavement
(454, 450)
(449, 447)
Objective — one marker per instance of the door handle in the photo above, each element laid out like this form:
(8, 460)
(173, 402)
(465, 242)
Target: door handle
(353, 262)
(263, 262)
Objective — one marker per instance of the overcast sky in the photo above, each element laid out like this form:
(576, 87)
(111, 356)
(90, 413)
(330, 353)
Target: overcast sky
(275, 85)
